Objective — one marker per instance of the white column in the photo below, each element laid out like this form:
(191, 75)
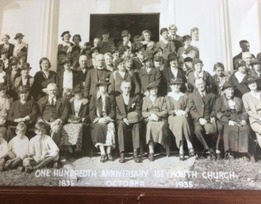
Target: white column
(50, 31)
(226, 49)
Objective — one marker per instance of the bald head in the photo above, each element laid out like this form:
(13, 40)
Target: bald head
(83, 61)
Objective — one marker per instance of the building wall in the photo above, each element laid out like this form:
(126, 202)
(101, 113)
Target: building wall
(222, 23)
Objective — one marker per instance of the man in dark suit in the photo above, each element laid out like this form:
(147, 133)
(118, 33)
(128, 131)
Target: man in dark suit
(54, 112)
(202, 113)
(82, 70)
(126, 104)
(149, 73)
(100, 73)
(245, 47)
(66, 79)
(178, 41)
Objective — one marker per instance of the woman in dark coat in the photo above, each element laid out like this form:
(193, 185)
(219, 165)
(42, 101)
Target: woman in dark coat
(42, 78)
(24, 110)
(102, 113)
(232, 115)
(75, 129)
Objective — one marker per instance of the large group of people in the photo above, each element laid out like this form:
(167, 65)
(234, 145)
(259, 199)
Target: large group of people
(128, 95)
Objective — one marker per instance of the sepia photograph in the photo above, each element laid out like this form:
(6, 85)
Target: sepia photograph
(130, 94)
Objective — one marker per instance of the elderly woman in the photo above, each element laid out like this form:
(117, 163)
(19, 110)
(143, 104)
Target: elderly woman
(154, 111)
(42, 78)
(101, 115)
(7, 45)
(23, 110)
(25, 79)
(239, 78)
(177, 105)
(72, 132)
(252, 104)
(20, 46)
(231, 113)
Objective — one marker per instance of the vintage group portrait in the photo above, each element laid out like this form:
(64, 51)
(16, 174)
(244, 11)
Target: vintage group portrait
(130, 94)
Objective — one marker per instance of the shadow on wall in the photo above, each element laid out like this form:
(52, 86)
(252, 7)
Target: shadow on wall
(6, 5)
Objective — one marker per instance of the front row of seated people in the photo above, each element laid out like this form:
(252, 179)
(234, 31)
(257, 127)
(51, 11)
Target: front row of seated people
(218, 123)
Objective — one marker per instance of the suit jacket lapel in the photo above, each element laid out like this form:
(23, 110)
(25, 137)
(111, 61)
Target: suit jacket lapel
(121, 105)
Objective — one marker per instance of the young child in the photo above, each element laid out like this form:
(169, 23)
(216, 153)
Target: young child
(17, 148)
(42, 150)
(3, 150)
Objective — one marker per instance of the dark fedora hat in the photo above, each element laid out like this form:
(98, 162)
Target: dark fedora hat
(176, 81)
(172, 56)
(77, 89)
(152, 85)
(255, 61)
(228, 84)
(18, 35)
(24, 89)
(103, 83)
(251, 80)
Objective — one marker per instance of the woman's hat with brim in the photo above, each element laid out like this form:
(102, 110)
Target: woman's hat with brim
(18, 35)
(176, 81)
(228, 84)
(103, 83)
(118, 61)
(251, 80)
(64, 33)
(26, 66)
(152, 85)
(239, 63)
(24, 89)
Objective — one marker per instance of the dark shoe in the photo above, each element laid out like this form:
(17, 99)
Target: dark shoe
(219, 156)
(167, 151)
(122, 158)
(29, 169)
(110, 158)
(151, 156)
(103, 158)
(181, 157)
(191, 152)
(136, 157)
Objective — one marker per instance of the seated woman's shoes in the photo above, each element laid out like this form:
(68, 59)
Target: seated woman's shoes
(191, 152)
(151, 157)
(110, 158)
(181, 157)
(103, 158)
(122, 158)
